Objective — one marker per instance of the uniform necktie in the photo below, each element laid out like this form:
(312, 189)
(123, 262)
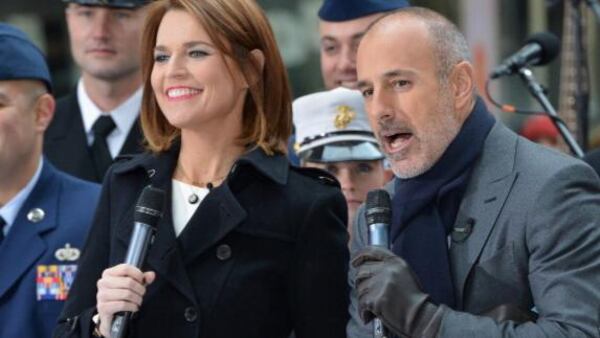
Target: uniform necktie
(2, 224)
(103, 126)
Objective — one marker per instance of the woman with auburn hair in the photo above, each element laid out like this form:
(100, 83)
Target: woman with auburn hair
(248, 246)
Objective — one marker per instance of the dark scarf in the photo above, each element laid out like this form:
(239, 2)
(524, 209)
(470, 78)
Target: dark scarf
(425, 207)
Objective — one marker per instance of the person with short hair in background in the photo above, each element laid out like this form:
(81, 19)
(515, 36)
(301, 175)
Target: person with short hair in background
(342, 24)
(44, 213)
(98, 121)
(334, 135)
(248, 246)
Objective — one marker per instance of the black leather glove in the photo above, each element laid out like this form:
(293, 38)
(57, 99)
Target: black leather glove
(387, 289)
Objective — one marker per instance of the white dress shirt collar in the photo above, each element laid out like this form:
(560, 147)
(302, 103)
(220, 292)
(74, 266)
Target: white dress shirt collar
(124, 117)
(11, 209)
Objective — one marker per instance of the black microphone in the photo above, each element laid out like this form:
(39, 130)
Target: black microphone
(148, 211)
(539, 49)
(378, 212)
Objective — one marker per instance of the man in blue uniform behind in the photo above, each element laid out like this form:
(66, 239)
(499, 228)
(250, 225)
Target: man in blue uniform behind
(44, 214)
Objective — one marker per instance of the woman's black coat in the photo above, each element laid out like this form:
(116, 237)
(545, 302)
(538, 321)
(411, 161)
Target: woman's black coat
(264, 254)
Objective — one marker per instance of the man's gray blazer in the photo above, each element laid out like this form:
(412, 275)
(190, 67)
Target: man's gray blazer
(535, 243)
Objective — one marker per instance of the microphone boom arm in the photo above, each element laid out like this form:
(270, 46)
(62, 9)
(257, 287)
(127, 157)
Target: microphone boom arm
(538, 92)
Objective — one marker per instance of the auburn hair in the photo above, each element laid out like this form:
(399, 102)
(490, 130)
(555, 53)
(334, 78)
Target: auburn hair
(237, 27)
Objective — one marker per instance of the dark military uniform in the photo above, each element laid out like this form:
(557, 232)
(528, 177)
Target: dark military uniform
(66, 145)
(65, 141)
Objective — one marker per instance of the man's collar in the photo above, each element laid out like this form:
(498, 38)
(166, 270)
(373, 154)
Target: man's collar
(11, 209)
(124, 115)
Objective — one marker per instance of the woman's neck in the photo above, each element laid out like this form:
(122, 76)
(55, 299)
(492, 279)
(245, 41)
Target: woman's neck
(205, 159)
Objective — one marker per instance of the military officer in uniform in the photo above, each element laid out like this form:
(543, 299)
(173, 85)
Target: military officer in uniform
(341, 26)
(44, 213)
(98, 121)
(334, 135)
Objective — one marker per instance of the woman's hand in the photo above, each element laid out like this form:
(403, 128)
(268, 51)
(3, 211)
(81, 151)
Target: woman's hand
(121, 288)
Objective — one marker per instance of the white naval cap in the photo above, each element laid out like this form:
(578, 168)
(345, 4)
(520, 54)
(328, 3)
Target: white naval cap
(332, 126)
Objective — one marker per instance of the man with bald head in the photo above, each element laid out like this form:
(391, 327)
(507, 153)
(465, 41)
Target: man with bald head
(491, 235)
(44, 213)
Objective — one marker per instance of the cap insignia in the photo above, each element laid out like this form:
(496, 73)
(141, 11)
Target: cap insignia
(345, 115)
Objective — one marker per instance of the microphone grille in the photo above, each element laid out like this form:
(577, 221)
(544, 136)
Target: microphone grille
(149, 206)
(550, 45)
(378, 207)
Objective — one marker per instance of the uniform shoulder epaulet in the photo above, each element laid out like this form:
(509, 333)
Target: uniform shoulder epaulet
(124, 158)
(318, 174)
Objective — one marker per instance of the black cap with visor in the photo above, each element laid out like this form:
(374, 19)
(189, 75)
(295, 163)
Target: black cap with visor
(111, 3)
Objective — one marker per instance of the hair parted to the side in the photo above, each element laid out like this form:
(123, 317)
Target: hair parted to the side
(237, 27)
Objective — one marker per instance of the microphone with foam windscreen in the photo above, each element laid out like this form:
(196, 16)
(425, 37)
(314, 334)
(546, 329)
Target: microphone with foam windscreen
(148, 211)
(378, 212)
(540, 49)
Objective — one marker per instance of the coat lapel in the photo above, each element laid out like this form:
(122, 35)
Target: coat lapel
(133, 142)
(164, 256)
(25, 244)
(489, 187)
(218, 215)
(66, 135)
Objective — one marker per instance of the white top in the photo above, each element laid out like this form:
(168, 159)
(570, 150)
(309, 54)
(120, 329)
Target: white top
(182, 208)
(11, 209)
(124, 117)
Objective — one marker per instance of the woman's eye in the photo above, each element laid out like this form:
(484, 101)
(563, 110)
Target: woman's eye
(364, 168)
(197, 53)
(332, 169)
(160, 58)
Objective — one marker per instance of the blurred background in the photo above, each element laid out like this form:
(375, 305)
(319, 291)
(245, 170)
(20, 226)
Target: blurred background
(495, 29)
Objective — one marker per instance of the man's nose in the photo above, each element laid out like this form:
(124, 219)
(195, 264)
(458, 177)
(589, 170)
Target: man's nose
(381, 106)
(101, 25)
(347, 61)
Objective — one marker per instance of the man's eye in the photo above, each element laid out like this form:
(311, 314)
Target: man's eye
(85, 13)
(122, 15)
(401, 83)
(367, 92)
(329, 49)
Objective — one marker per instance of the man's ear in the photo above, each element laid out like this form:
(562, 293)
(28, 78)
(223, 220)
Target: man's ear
(462, 84)
(44, 111)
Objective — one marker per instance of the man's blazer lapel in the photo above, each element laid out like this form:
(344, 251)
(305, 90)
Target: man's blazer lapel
(25, 244)
(65, 142)
(489, 187)
(133, 142)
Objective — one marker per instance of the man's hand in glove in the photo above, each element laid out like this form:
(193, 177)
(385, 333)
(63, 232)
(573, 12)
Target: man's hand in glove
(387, 289)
